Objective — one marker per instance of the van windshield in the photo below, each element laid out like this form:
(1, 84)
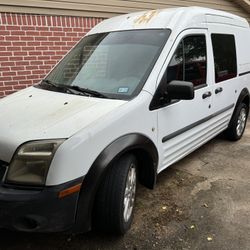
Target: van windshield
(113, 65)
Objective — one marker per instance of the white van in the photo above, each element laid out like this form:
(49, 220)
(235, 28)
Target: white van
(135, 95)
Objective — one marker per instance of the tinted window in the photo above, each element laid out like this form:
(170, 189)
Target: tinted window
(189, 62)
(224, 57)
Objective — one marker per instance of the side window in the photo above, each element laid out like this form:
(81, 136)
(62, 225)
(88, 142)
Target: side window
(189, 62)
(224, 57)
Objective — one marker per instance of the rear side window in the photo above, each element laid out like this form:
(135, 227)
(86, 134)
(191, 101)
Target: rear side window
(225, 61)
(189, 62)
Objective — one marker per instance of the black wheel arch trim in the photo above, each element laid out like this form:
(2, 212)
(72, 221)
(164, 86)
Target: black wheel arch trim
(243, 94)
(93, 178)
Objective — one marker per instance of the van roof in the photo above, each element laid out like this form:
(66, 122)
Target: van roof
(185, 17)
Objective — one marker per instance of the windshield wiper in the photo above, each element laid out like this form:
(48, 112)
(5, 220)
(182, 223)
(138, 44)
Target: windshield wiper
(49, 82)
(61, 87)
(86, 91)
(74, 89)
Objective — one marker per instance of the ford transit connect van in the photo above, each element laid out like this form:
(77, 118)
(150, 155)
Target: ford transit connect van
(136, 94)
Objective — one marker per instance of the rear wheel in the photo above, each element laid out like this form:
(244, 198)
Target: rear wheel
(116, 196)
(238, 122)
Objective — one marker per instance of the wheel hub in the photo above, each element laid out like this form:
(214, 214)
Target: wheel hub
(241, 122)
(130, 190)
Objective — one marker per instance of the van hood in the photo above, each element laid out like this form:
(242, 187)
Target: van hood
(36, 114)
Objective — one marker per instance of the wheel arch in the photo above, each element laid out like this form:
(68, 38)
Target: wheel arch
(243, 97)
(147, 155)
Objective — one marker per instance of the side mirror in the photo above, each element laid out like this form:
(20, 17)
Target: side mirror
(180, 90)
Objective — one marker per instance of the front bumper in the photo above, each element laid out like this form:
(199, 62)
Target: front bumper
(38, 210)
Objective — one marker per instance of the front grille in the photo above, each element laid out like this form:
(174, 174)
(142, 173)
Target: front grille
(3, 167)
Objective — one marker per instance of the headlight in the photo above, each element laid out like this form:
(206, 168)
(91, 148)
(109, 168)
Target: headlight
(31, 162)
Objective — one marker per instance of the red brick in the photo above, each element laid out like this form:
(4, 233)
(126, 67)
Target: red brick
(16, 58)
(56, 57)
(38, 72)
(60, 53)
(52, 38)
(51, 62)
(28, 38)
(7, 83)
(12, 38)
(67, 29)
(20, 53)
(41, 48)
(7, 53)
(66, 38)
(23, 77)
(47, 43)
(32, 67)
(22, 63)
(46, 67)
(18, 87)
(59, 33)
(9, 92)
(30, 58)
(4, 69)
(49, 52)
(3, 43)
(28, 48)
(6, 88)
(7, 63)
(9, 73)
(46, 33)
(18, 33)
(32, 77)
(35, 53)
(26, 82)
(41, 28)
(5, 78)
(12, 27)
(13, 48)
(71, 34)
(56, 29)
(4, 58)
(18, 68)
(33, 43)
(19, 43)
(14, 20)
(43, 20)
(78, 29)
(28, 28)
(36, 62)
(5, 33)
(41, 38)
(32, 33)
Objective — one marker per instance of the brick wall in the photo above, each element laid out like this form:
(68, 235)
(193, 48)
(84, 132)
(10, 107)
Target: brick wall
(30, 45)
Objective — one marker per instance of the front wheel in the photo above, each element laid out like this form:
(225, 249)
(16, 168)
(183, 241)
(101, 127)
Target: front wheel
(238, 122)
(116, 196)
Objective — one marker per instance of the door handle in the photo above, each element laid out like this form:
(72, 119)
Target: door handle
(206, 95)
(218, 90)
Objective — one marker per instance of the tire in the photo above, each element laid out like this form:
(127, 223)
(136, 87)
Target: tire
(117, 188)
(238, 122)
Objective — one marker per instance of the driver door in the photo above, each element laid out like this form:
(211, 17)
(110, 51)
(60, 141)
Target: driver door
(183, 125)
